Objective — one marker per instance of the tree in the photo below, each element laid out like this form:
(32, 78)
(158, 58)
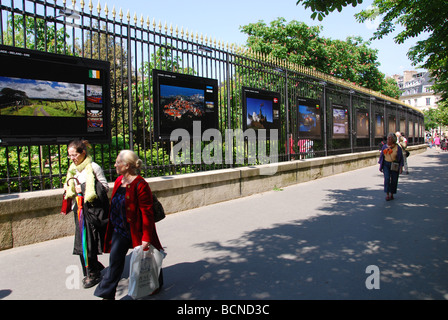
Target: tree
(436, 117)
(352, 60)
(34, 33)
(416, 17)
(323, 8)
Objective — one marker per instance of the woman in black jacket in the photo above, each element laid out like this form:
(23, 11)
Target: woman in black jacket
(86, 178)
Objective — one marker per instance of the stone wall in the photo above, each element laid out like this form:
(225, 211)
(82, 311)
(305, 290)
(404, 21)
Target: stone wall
(31, 217)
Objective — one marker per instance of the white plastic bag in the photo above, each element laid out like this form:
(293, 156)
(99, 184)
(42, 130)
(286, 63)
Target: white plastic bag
(144, 271)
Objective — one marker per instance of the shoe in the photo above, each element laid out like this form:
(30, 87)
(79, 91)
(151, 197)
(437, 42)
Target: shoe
(387, 198)
(89, 282)
(391, 197)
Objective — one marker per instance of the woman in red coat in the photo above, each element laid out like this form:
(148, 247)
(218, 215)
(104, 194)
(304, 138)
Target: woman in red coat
(131, 221)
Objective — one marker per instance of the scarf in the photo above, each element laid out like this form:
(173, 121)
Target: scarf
(90, 180)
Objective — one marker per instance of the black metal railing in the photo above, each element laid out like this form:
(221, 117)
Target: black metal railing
(134, 46)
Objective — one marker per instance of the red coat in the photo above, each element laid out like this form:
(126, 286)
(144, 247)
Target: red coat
(139, 214)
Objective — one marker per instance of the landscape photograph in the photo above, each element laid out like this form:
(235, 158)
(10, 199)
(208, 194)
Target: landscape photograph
(40, 98)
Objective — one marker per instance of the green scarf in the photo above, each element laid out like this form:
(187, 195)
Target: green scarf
(90, 180)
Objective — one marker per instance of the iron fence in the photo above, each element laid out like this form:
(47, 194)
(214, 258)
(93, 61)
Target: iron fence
(134, 46)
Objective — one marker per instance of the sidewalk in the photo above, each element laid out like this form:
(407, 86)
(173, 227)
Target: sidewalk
(309, 241)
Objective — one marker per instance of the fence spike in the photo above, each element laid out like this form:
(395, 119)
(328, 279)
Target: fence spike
(147, 22)
(154, 23)
(98, 8)
(142, 20)
(106, 10)
(114, 12)
(135, 18)
(90, 5)
(82, 4)
(182, 32)
(73, 3)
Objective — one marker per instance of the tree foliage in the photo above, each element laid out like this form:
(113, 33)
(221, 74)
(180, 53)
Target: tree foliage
(34, 33)
(352, 60)
(416, 17)
(436, 117)
(322, 8)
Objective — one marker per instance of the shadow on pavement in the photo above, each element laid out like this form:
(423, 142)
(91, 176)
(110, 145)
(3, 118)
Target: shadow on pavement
(326, 257)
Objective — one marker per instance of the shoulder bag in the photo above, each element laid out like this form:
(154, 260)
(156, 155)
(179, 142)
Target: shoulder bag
(157, 208)
(394, 166)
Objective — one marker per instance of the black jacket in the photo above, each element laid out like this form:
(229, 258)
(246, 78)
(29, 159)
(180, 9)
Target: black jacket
(96, 215)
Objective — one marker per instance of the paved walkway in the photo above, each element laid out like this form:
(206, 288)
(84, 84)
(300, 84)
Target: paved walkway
(309, 241)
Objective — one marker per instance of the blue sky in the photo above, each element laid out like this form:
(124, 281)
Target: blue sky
(168, 91)
(222, 20)
(253, 105)
(40, 89)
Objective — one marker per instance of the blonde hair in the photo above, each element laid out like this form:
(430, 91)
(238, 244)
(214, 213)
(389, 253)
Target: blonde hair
(131, 158)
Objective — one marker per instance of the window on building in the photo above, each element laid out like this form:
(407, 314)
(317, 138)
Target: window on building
(428, 101)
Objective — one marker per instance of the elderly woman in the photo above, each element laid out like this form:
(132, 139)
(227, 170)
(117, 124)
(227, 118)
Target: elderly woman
(391, 164)
(131, 221)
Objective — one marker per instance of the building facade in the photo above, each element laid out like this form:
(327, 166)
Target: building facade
(416, 89)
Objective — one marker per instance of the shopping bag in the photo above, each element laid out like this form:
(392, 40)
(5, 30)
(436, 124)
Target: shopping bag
(144, 271)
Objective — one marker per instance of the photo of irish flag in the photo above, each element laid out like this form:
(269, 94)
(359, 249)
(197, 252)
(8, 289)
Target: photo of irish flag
(94, 74)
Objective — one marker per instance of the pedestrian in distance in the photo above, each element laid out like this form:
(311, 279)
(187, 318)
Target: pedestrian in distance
(291, 146)
(382, 143)
(86, 181)
(443, 144)
(131, 221)
(391, 164)
(403, 143)
(437, 142)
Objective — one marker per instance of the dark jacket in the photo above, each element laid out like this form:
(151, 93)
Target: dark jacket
(96, 216)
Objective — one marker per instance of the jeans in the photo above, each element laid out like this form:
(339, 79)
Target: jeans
(390, 179)
(108, 286)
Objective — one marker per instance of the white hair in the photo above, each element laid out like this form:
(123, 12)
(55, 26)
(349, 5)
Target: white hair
(131, 158)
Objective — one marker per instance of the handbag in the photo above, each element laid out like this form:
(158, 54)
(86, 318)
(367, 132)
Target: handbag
(144, 271)
(394, 166)
(159, 212)
(157, 208)
(66, 205)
